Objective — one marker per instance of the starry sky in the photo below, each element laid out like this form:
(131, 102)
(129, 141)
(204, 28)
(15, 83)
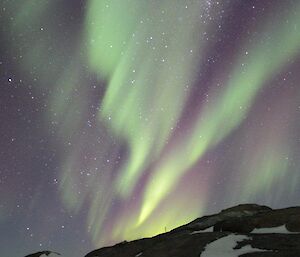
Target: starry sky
(122, 119)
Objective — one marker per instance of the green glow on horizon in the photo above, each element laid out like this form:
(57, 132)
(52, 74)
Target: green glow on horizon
(169, 216)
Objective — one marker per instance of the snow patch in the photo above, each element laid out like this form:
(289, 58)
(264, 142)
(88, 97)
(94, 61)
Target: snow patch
(223, 247)
(281, 230)
(51, 255)
(139, 254)
(210, 229)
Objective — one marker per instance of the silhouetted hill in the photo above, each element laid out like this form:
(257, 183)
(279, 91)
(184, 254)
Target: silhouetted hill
(247, 230)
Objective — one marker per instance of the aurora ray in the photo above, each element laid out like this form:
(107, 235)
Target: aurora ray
(229, 107)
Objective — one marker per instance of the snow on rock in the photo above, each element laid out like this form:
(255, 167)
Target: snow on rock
(224, 247)
(210, 229)
(281, 230)
(51, 255)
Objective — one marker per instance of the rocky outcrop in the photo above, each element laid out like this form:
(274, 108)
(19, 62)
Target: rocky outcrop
(236, 212)
(289, 217)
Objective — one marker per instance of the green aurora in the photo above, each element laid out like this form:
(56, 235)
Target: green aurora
(139, 166)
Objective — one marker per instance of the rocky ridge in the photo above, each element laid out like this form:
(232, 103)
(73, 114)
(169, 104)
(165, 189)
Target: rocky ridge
(247, 230)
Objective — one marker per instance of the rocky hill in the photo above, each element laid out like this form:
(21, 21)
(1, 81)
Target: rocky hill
(247, 230)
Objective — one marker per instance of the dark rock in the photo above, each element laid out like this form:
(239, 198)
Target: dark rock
(262, 219)
(38, 254)
(247, 209)
(276, 217)
(287, 245)
(293, 223)
(238, 225)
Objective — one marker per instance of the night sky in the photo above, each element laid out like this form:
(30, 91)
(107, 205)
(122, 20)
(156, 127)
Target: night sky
(122, 119)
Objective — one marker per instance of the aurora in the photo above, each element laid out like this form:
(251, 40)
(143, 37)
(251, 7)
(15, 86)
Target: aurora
(127, 118)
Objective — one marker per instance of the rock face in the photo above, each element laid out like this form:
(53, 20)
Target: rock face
(247, 230)
(290, 217)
